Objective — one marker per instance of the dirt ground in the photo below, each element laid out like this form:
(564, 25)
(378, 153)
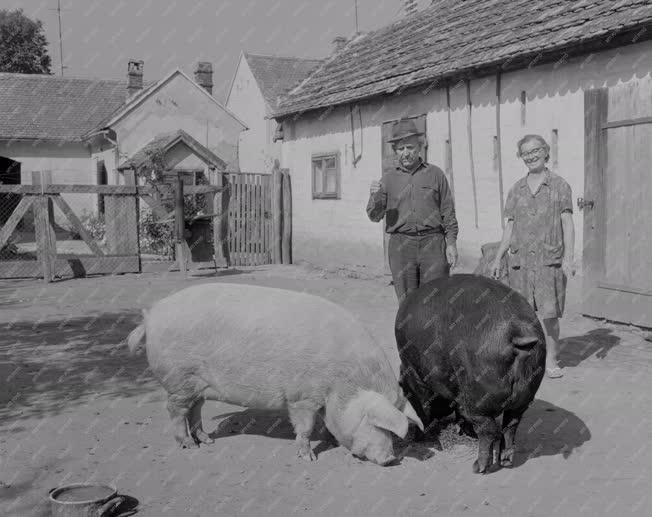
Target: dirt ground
(75, 407)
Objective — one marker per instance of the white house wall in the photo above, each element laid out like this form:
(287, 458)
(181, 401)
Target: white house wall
(68, 164)
(178, 105)
(256, 151)
(338, 233)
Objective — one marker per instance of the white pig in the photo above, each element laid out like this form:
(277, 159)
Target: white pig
(274, 349)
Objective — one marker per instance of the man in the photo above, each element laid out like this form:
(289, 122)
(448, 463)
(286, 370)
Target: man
(419, 214)
(540, 237)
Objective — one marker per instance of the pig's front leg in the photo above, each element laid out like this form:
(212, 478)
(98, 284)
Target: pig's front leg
(302, 416)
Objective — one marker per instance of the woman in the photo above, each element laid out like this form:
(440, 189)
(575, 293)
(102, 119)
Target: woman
(540, 237)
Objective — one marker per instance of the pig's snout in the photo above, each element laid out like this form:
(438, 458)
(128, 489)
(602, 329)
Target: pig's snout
(389, 461)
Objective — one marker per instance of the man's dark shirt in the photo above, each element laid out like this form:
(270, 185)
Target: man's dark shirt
(415, 201)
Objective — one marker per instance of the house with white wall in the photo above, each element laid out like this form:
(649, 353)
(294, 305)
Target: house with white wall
(478, 75)
(81, 130)
(257, 83)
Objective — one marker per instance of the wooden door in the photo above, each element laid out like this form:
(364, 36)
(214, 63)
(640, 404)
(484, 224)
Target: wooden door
(617, 256)
(250, 219)
(389, 162)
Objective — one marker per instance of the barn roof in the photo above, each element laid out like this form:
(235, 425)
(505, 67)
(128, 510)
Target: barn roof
(275, 75)
(48, 107)
(453, 38)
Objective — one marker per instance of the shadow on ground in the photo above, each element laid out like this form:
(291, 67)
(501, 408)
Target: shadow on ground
(546, 430)
(549, 430)
(46, 367)
(575, 349)
(274, 424)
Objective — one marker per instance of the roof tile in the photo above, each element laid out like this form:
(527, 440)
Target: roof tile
(453, 37)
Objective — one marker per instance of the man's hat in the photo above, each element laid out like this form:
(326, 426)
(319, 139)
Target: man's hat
(402, 129)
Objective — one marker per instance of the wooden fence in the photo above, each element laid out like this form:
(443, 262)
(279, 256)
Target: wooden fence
(251, 224)
(260, 218)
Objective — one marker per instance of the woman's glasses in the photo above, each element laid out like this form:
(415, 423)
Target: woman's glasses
(533, 152)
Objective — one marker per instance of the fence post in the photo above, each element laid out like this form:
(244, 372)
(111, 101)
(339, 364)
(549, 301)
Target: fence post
(287, 217)
(180, 226)
(46, 239)
(277, 214)
(221, 220)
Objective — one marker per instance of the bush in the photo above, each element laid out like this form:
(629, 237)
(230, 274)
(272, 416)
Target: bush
(158, 238)
(94, 225)
(9, 250)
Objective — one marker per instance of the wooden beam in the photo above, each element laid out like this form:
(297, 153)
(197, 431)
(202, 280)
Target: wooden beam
(180, 226)
(627, 122)
(46, 240)
(277, 215)
(157, 207)
(499, 156)
(449, 141)
(286, 250)
(114, 190)
(77, 224)
(18, 213)
(71, 189)
(469, 131)
(221, 220)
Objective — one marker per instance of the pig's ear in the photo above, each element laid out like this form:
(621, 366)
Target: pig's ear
(411, 414)
(524, 341)
(382, 414)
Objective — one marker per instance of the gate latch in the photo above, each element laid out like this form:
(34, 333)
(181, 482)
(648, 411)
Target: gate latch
(581, 203)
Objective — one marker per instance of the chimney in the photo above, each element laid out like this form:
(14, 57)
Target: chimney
(204, 76)
(134, 77)
(338, 43)
(409, 7)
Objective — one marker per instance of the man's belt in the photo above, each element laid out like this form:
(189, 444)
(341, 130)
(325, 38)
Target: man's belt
(419, 233)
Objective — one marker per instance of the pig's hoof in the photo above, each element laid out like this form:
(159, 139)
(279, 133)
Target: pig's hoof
(479, 469)
(203, 437)
(507, 457)
(306, 454)
(188, 443)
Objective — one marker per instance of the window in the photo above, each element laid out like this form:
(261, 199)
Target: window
(326, 176)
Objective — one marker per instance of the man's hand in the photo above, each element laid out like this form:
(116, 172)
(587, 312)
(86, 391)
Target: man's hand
(495, 269)
(451, 255)
(375, 187)
(568, 267)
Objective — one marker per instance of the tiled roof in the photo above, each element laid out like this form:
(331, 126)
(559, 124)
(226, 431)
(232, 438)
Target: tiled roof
(276, 75)
(453, 37)
(165, 141)
(48, 107)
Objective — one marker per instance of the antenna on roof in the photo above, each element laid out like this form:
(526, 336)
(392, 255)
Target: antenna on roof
(58, 9)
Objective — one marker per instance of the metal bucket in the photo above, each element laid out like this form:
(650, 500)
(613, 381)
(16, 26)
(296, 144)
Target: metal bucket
(84, 500)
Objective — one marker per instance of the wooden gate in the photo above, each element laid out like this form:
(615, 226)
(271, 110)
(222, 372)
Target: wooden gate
(33, 247)
(617, 255)
(250, 219)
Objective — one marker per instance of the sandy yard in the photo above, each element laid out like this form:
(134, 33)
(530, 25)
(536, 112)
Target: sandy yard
(74, 407)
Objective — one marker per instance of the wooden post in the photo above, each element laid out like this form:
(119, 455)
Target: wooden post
(499, 158)
(449, 141)
(286, 250)
(180, 226)
(277, 215)
(46, 240)
(221, 221)
(469, 129)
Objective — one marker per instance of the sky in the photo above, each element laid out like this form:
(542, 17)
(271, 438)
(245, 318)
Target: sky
(99, 36)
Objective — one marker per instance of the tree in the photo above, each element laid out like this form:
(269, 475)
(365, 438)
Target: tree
(23, 46)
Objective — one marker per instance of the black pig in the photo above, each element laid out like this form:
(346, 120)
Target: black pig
(471, 345)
